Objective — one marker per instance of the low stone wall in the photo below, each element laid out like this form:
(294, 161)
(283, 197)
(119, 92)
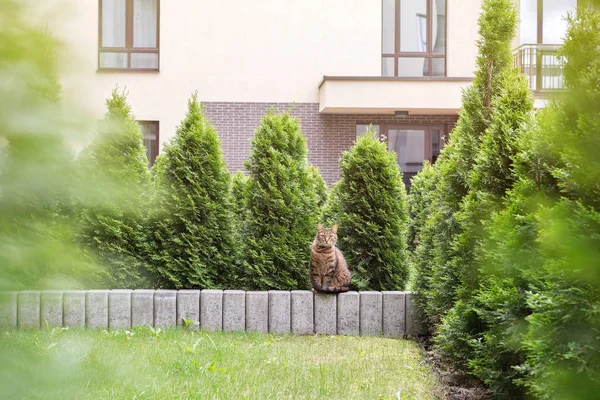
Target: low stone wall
(389, 314)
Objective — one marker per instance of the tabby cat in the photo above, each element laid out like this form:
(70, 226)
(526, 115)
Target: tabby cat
(328, 269)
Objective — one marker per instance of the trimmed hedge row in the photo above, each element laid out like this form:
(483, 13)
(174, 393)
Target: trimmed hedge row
(198, 227)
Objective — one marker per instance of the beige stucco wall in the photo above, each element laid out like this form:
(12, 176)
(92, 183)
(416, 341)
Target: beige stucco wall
(462, 34)
(243, 51)
(382, 97)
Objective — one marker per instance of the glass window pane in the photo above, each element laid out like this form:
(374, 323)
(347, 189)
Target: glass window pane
(436, 144)
(113, 23)
(144, 60)
(389, 26)
(528, 27)
(552, 77)
(113, 60)
(150, 134)
(409, 146)
(413, 25)
(413, 66)
(362, 129)
(555, 25)
(438, 27)
(144, 23)
(439, 66)
(387, 66)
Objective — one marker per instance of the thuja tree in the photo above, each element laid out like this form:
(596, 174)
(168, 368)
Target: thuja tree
(239, 185)
(497, 25)
(282, 206)
(538, 299)
(420, 201)
(113, 219)
(510, 111)
(37, 169)
(331, 208)
(510, 263)
(371, 212)
(192, 223)
(563, 351)
(490, 180)
(320, 186)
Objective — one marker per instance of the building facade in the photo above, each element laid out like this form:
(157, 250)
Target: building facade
(339, 65)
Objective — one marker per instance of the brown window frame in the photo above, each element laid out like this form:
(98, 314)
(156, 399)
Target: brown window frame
(429, 54)
(129, 40)
(157, 140)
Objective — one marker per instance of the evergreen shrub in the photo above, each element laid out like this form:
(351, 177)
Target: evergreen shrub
(114, 213)
(193, 227)
(369, 205)
(282, 206)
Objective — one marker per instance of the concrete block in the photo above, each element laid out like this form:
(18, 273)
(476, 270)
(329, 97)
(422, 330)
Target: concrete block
(348, 306)
(8, 309)
(74, 308)
(142, 307)
(28, 309)
(96, 309)
(257, 312)
(119, 309)
(234, 310)
(188, 307)
(51, 308)
(393, 314)
(415, 326)
(303, 317)
(165, 308)
(325, 314)
(211, 310)
(279, 311)
(371, 323)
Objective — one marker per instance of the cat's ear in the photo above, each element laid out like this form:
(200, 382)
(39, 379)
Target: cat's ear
(334, 229)
(320, 227)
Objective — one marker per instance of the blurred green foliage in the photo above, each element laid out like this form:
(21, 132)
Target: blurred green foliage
(113, 193)
(523, 256)
(38, 174)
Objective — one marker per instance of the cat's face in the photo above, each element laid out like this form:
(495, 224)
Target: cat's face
(326, 237)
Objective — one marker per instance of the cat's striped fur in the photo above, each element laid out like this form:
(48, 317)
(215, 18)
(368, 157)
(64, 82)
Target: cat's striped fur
(328, 269)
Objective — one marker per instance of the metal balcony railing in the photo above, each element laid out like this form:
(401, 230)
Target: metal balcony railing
(541, 66)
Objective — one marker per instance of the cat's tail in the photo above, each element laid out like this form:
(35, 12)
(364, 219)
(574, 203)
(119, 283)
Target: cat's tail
(331, 289)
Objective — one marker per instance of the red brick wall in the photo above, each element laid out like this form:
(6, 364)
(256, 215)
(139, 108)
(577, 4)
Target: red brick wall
(328, 135)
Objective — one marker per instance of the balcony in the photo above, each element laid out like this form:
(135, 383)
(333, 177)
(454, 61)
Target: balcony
(541, 66)
(386, 95)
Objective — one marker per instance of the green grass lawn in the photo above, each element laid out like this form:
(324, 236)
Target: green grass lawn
(177, 364)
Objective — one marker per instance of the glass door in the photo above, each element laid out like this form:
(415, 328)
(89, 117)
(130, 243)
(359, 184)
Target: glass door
(413, 145)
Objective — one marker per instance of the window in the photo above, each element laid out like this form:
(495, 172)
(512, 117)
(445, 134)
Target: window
(413, 144)
(414, 38)
(129, 35)
(543, 28)
(150, 133)
(543, 21)
(361, 129)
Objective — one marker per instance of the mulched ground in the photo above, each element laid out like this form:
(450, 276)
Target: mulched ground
(460, 386)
